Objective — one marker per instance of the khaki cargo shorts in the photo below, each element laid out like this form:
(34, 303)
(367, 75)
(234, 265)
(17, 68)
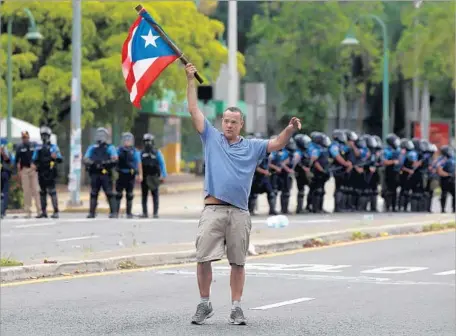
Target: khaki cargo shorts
(220, 225)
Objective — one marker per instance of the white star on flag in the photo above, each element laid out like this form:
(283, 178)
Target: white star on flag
(150, 39)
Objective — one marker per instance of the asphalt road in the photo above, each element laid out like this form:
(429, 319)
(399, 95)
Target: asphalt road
(74, 237)
(400, 286)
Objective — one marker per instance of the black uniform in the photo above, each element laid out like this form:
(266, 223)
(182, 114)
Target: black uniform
(100, 159)
(128, 169)
(447, 182)
(6, 171)
(45, 158)
(405, 178)
(152, 172)
(302, 176)
(391, 181)
(261, 183)
(320, 177)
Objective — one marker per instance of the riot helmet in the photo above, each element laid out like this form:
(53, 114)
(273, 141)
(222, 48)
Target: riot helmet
(302, 141)
(425, 145)
(432, 148)
(325, 141)
(447, 151)
(351, 136)
(148, 140)
(418, 145)
(407, 144)
(379, 142)
(393, 141)
(45, 132)
(316, 137)
(291, 145)
(370, 141)
(361, 142)
(101, 135)
(339, 136)
(128, 140)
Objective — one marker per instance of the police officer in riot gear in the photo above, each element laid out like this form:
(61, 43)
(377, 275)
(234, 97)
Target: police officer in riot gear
(340, 167)
(447, 175)
(261, 183)
(6, 164)
(409, 163)
(376, 177)
(361, 192)
(286, 175)
(129, 168)
(275, 168)
(45, 159)
(154, 172)
(433, 177)
(371, 176)
(352, 155)
(391, 162)
(302, 169)
(320, 170)
(100, 159)
(417, 178)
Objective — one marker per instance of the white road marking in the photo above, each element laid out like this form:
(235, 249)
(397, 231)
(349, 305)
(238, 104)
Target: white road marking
(446, 273)
(394, 270)
(317, 277)
(283, 303)
(24, 226)
(292, 267)
(76, 238)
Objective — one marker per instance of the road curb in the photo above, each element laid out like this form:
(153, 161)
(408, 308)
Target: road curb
(17, 273)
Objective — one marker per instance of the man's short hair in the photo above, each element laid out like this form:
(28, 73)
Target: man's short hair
(235, 109)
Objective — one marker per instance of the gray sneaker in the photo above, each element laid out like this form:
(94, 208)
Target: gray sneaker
(203, 312)
(237, 317)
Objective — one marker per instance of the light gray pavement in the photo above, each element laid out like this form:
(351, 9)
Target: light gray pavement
(72, 238)
(402, 286)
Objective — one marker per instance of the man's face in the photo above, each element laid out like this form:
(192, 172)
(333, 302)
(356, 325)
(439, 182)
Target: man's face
(232, 124)
(25, 139)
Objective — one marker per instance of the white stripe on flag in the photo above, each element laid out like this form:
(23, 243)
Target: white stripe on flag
(139, 69)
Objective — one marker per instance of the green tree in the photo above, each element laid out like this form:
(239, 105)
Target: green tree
(42, 71)
(299, 46)
(426, 47)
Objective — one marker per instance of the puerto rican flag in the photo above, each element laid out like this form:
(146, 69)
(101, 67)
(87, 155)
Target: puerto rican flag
(144, 56)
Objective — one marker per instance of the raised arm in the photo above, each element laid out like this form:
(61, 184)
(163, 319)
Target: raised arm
(192, 99)
(283, 138)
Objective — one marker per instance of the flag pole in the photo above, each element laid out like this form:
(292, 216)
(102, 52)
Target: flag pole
(139, 9)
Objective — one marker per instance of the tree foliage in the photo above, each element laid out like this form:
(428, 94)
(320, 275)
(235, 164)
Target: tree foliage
(426, 47)
(42, 70)
(301, 44)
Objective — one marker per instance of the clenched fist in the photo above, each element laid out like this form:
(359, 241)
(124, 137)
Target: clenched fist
(190, 70)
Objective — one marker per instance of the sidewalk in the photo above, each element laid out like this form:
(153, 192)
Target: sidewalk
(175, 184)
(177, 246)
(184, 195)
(181, 194)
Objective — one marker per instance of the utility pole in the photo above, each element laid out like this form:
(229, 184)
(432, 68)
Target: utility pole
(233, 89)
(416, 88)
(74, 185)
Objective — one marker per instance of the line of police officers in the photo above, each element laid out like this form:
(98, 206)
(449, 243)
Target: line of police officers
(147, 167)
(359, 165)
